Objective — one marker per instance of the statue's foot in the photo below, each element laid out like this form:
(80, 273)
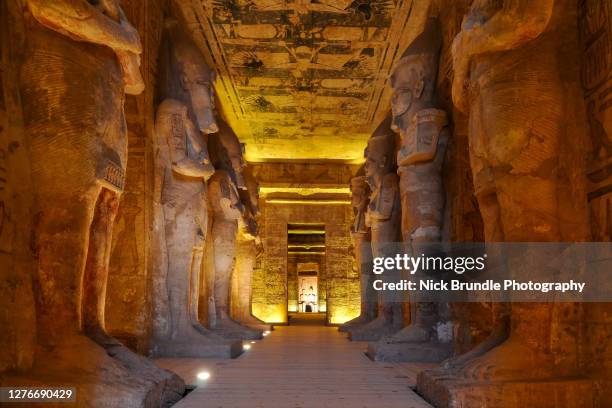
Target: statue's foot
(411, 344)
(256, 324)
(497, 337)
(172, 385)
(356, 322)
(230, 329)
(198, 343)
(372, 331)
(100, 380)
(410, 334)
(511, 361)
(204, 331)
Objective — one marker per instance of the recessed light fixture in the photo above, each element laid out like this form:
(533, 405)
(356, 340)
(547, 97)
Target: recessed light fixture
(203, 375)
(246, 346)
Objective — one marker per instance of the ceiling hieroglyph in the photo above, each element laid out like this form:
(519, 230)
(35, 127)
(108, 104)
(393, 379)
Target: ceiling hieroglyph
(304, 79)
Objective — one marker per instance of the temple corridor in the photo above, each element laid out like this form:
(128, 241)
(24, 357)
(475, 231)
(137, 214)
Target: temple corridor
(306, 366)
(306, 203)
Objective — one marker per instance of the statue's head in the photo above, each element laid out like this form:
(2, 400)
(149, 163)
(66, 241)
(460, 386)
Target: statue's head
(224, 197)
(359, 192)
(252, 191)
(192, 76)
(227, 153)
(380, 154)
(413, 79)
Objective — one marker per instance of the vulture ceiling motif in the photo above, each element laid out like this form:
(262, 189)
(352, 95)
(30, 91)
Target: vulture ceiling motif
(303, 79)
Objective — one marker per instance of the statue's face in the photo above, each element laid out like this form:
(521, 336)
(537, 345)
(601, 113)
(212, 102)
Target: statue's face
(250, 224)
(358, 194)
(374, 166)
(234, 151)
(407, 87)
(358, 198)
(253, 189)
(196, 81)
(235, 199)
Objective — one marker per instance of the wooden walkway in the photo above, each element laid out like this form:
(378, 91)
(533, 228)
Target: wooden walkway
(299, 366)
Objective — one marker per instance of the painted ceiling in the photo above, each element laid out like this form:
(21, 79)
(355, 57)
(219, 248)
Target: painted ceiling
(303, 79)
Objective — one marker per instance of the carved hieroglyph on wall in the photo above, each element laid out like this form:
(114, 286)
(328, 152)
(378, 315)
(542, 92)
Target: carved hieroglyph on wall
(304, 79)
(595, 31)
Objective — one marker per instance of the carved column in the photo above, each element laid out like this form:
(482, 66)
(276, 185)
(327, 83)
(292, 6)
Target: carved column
(361, 236)
(227, 209)
(424, 134)
(383, 217)
(183, 166)
(79, 61)
(513, 79)
(248, 248)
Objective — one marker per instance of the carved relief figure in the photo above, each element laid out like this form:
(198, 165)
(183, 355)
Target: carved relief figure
(424, 134)
(227, 210)
(363, 253)
(184, 167)
(383, 218)
(79, 61)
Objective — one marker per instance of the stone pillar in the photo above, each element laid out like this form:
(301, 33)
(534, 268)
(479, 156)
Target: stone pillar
(424, 133)
(360, 234)
(383, 217)
(512, 78)
(182, 168)
(79, 61)
(227, 209)
(248, 248)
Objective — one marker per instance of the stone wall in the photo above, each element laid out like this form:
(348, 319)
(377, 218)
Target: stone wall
(17, 315)
(595, 35)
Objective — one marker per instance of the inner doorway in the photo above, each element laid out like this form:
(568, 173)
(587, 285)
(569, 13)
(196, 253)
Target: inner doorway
(306, 277)
(308, 289)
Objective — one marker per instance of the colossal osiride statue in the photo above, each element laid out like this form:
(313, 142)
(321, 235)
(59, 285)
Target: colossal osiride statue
(512, 79)
(182, 169)
(383, 218)
(227, 210)
(363, 253)
(424, 134)
(79, 61)
(248, 249)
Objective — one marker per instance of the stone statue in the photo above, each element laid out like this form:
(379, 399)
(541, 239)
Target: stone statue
(79, 61)
(363, 253)
(383, 217)
(183, 167)
(512, 79)
(227, 210)
(248, 248)
(424, 134)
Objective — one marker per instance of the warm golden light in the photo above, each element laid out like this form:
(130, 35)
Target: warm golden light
(308, 202)
(203, 375)
(275, 313)
(304, 191)
(342, 315)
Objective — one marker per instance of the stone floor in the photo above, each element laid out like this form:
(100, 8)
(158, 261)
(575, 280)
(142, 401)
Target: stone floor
(299, 366)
